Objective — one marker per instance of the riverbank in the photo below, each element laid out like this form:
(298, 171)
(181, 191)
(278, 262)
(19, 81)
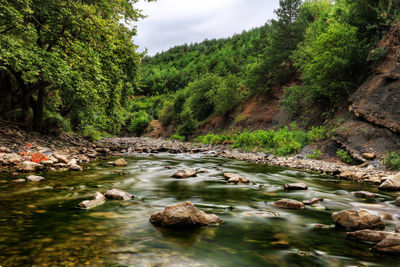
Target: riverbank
(22, 151)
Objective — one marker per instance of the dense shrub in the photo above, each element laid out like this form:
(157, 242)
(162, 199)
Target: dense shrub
(392, 160)
(177, 137)
(344, 156)
(189, 124)
(139, 122)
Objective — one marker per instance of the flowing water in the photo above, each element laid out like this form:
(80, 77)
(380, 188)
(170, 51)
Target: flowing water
(39, 224)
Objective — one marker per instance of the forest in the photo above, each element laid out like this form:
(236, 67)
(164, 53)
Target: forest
(73, 67)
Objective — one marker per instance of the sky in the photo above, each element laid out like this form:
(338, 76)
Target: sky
(175, 22)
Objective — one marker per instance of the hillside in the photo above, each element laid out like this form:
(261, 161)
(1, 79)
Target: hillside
(305, 67)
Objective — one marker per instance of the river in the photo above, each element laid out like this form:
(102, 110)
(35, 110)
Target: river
(39, 224)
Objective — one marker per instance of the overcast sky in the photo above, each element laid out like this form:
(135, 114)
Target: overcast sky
(175, 22)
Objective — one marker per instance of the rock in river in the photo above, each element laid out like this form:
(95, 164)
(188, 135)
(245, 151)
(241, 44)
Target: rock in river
(357, 219)
(29, 166)
(182, 174)
(392, 183)
(390, 245)
(34, 178)
(364, 194)
(374, 236)
(235, 178)
(289, 204)
(118, 194)
(97, 200)
(184, 214)
(295, 186)
(120, 162)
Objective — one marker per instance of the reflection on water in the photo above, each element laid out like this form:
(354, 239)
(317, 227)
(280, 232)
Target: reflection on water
(39, 224)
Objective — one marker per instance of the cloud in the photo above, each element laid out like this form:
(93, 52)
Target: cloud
(175, 22)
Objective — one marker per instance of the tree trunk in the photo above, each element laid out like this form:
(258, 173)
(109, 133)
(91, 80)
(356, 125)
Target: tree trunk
(37, 109)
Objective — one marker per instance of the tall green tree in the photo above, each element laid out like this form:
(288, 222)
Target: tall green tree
(80, 51)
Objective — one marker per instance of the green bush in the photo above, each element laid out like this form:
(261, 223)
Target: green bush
(91, 133)
(139, 122)
(189, 124)
(315, 155)
(317, 134)
(166, 116)
(177, 137)
(344, 156)
(392, 160)
(227, 95)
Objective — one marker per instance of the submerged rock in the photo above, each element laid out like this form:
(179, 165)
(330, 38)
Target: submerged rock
(289, 204)
(364, 194)
(357, 219)
(182, 174)
(97, 200)
(371, 235)
(19, 181)
(390, 245)
(235, 178)
(75, 167)
(34, 178)
(120, 162)
(312, 201)
(118, 194)
(392, 183)
(295, 186)
(184, 214)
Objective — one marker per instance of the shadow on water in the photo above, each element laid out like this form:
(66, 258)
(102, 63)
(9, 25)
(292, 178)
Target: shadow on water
(40, 225)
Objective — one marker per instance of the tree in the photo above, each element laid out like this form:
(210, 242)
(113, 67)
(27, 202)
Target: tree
(77, 50)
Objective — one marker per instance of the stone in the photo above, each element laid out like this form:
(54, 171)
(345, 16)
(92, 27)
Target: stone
(60, 157)
(235, 178)
(369, 156)
(390, 245)
(289, 204)
(392, 183)
(75, 167)
(398, 201)
(19, 181)
(97, 200)
(47, 162)
(357, 219)
(312, 201)
(4, 149)
(373, 236)
(184, 214)
(120, 162)
(118, 194)
(28, 166)
(34, 178)
(182, 174)
(295, 186)
(364, 194)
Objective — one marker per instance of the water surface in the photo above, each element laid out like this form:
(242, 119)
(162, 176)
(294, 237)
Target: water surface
(39, 224)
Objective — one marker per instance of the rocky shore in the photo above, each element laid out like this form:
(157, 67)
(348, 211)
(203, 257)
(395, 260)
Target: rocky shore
(21, 151)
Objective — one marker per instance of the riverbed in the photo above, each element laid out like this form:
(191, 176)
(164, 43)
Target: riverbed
(40, 225)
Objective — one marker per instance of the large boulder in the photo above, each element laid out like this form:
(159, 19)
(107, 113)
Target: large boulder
(295, 186)
(289, 204)
(184, 214)
(357, 219)
(97, 200)
(360, 137)
(60, 157)
(392, 183)
(377, 100)
(182, 174)
(118, 195)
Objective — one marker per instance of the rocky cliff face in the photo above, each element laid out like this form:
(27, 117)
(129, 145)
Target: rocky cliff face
(378, 99)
